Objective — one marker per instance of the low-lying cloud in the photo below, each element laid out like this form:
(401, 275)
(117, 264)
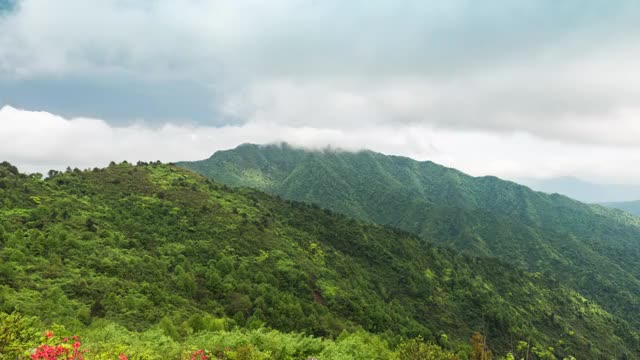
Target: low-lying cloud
(516, 89)
(39, 141)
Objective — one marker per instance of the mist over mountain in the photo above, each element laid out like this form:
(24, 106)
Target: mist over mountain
(632, 207)
(585, 191)
(139, 220)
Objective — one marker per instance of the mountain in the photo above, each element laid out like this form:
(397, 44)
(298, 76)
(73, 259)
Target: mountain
(583, 190)
(157, 246)
(632, 207)
(589, 248)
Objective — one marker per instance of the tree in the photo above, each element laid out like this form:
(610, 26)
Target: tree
(16, 334)
(417, 349)
(480, 349)
(12, 169)
(168, 328)
(184, 280)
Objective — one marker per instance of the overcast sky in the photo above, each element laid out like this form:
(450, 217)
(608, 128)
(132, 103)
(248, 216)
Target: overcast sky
(509, 88)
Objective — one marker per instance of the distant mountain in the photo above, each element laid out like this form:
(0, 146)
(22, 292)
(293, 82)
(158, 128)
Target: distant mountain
(585, 191)
(619, 196)
(158, 247)
(632, 207)
(590, 248)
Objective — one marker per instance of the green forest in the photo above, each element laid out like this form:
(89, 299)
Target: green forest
(589, 248)
(153, 261)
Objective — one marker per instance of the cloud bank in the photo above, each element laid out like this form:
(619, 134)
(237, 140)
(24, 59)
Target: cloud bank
(39, 141)
(527, 88)
(556, 70)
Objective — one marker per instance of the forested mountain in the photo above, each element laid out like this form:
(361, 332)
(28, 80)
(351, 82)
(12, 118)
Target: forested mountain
(157, 246)
(590, 248)
(632, 207)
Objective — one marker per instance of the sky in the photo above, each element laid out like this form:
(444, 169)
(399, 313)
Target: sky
(516, 89)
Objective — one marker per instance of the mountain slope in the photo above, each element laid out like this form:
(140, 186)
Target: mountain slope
(632, 207)
(145, 244)
(590, 248)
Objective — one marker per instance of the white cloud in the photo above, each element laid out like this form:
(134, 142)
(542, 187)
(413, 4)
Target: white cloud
(557, 71)
(529, 88)
(38, 141)
(591, 101)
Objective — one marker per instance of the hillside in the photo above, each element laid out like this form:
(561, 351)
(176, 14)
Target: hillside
(155, 245)
(589, 248)
(632, 207)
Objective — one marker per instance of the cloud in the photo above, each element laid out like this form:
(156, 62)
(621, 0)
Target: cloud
(292, 37)
(38, 141)
(574, 110)
(555, 70)
(517, 89)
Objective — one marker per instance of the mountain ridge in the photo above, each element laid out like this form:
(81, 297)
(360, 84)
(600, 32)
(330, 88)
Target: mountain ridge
(589, 247)
(140, 244)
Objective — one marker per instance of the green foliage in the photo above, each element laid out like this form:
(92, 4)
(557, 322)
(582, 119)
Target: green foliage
(588, 248)
(106, 340)
(18, 334)
(146, 257)
(417, 349)
(357, 346)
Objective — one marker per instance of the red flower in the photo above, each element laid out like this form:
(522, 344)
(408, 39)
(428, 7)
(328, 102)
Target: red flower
(76, 345)
(123, 357)
(48, 334)
(199, 355)
(46, 352)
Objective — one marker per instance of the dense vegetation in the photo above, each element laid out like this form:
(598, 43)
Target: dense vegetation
(589, 248)
(19, 335)
(157, 248)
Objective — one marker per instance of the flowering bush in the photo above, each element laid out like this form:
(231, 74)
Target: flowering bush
(51, 349)
(199, 355)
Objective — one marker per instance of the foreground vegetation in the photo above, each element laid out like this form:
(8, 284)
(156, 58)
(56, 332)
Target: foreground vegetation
(153, 254)
(20, 338)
